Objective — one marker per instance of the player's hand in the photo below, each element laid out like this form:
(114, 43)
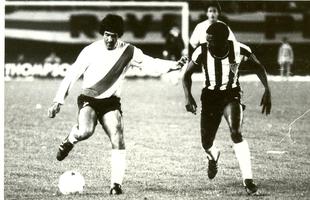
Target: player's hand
(191, 105)
(53, 110)
(266, 102)
(179, 64)
(183, 60)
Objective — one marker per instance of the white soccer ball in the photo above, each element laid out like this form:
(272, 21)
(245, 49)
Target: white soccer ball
(71, 182)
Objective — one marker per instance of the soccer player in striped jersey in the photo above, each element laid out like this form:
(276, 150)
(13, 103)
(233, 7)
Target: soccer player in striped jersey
(199, 34)
(220, 59)
(103, 65)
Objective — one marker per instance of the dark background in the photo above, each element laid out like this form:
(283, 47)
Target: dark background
(280, 22)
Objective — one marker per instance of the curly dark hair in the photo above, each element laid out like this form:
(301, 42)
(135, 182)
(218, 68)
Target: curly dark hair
(214, 3)
(219, 30)
(112, 23)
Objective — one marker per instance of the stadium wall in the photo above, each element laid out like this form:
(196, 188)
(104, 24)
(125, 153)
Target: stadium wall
(36, 52)
(33, 33)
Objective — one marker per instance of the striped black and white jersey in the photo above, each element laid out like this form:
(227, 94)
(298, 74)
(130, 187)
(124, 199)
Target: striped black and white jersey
(221, 73)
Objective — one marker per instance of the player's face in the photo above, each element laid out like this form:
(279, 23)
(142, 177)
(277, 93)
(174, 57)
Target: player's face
(212, 14)
(213, 42)
(210, 40)
(216, 45)
(110, 39)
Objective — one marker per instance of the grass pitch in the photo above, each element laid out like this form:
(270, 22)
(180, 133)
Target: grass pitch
(165, 159)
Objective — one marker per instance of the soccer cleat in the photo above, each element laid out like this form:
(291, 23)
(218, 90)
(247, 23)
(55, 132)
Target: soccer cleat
(116, 189)
(64, 148)
(249, 186)
(212, 167)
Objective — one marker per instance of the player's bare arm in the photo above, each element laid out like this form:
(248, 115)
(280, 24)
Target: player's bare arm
(190, 103)
(180, 63)
(74, 72)
(164, 66)
(262, 75)
(63, 92)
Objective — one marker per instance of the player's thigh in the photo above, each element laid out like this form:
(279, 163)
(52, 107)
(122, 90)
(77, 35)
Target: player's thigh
(209, 123)
(87, 120)
(233, 114)
(112, 123)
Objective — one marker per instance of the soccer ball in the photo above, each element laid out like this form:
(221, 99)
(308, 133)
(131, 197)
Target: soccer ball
(71, 182)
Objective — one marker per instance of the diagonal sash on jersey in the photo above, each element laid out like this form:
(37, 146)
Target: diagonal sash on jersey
(111, 77)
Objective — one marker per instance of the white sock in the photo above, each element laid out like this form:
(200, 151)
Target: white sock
(118, 166)
(212, 153)
(243, 155)
(74, 131)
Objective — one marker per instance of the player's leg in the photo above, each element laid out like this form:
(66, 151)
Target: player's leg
(282, 69)
(288, 69)
(87, 121)
(209, 124)
(112, 123)
(211, 116)
(233, 114)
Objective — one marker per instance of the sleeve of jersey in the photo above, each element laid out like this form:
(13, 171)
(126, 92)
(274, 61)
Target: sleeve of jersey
(194, 39)
(150, 64)
(196, 56)
(72, 75)
(231, 35)
(245, 50)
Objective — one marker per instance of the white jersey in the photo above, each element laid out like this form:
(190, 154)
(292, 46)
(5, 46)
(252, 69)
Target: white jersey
(285, 54)
(199, 35)
(102, 71)
(221, 73)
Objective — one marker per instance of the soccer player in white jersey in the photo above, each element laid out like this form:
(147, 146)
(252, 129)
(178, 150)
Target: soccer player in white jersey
(103, 65)
(220, 59)
(285, 58)
(199, 34)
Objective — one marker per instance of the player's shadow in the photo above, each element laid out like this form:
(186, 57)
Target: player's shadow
(238, 190)
(161, 189)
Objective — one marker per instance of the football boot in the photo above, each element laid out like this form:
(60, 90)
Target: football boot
(250, 187)
(212, 166)
(64, 148)
(116, 189)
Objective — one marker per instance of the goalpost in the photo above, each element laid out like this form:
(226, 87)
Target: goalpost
(183, 6)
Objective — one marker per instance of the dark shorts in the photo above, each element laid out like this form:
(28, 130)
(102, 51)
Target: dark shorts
(215, 101)
(101, 106)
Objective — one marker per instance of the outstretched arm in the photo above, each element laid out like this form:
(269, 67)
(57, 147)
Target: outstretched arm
(190, 103)
(72, 75)
(262, 75)
(157, 65)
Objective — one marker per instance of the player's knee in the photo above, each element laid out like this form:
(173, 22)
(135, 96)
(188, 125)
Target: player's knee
(206, 142)
(119, 127)
(236, 136)
(117, 138)
(85, 133)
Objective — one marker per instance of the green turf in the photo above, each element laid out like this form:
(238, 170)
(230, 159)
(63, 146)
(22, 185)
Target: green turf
(165, 157)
